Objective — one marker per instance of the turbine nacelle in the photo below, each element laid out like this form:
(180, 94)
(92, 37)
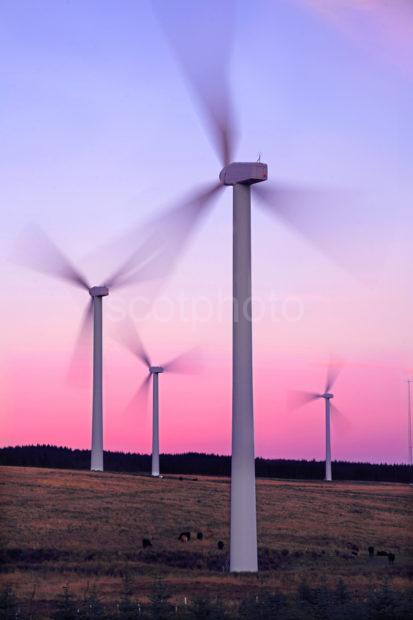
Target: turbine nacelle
(244, 172)
(155, 370)
(98, 291)
(327, 395)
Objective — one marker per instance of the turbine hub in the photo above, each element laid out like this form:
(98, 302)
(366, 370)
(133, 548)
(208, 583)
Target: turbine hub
(98, 291)
(328, 395)
(156, 370)
(244, 172)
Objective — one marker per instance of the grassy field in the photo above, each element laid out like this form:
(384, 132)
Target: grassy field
(75, 528)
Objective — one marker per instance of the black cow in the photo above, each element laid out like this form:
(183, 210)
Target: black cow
(391, 557)
(220, 545)
(200, 536)
(184, 536)
(146, 543)
(371, 551)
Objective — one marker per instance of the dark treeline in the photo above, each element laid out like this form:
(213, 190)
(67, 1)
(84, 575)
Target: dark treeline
(193, 463)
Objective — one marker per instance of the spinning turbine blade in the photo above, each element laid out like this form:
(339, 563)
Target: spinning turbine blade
(129, 338)
(77, 368)
(35, 250)
(299, 398)
(140, 398)
(200, 33)
(167, 234)
(333, 372)
(142, 265)
(165, 237)
(186, 363)
(172, 229)
(332, 221)
(339, 418)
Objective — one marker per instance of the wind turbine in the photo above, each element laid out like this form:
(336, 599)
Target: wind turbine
(36, 251)
(302, 398)
(205, 66)
(204, 60)
(182, 364)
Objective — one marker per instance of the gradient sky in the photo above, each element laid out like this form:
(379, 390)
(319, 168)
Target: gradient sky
(98, 132)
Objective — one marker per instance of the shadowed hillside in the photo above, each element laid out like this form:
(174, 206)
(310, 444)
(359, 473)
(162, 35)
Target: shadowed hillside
(81, 529)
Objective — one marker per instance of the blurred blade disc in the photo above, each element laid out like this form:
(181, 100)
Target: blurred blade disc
(200, 34)
(340, 420)
(35, 250)
(297, 399)
(333, 371)
(128, 336)
(186, 363)
(348, 231)
(139, 402)
(166, 236)
(143, 264)
(80, 365)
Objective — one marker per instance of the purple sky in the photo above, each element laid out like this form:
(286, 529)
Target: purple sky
(98, 131)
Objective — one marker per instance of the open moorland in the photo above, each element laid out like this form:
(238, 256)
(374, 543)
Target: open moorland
(75, 528)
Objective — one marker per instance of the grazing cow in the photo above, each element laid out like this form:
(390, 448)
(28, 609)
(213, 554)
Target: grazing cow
(184, 536)
(391, 557)
(352, 547)
(382, 553)
(146, 543)
(199, 536)
(371, 551)
(220, 545)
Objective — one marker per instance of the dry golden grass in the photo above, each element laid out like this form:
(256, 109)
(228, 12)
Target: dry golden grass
(63, 527)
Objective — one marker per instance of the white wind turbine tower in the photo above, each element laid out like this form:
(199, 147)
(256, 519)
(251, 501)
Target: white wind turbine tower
(36, 251)
(186, 363)
(302, 398)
